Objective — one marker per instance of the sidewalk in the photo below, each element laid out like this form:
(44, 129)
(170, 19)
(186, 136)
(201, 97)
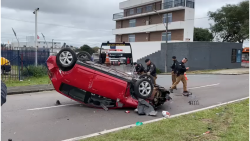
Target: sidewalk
(29, 89)
(237, 71)
(232, 71)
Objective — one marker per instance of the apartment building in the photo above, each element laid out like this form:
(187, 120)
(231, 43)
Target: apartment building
(145, 21)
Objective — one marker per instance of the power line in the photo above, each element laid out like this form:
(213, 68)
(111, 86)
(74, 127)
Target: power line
(170, 22)
(56, 25)
(85, 29)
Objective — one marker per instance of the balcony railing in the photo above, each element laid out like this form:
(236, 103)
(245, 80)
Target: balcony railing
(118, 15)
(155, 6)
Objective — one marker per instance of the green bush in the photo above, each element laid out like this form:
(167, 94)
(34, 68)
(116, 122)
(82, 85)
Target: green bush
(158, 71)
(34, 71)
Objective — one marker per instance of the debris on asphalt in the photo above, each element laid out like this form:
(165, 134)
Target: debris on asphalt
(136, 110)
(67, 119)
(144, 108)
(94, 111)
(127, 112)
(203, 134)
(58, 102)
(138, 123)
(9, 139)
(166, 114)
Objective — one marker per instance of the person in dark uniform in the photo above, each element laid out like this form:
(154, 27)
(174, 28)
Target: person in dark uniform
(151, 69)
(139, 68)
(103, 57)
(181, 69)
(3, 93)
(174, 67)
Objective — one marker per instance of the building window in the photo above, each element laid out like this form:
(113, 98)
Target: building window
(131, 38)
(131, 11)
(132, 23)
(179, 3)
(163, 36)
(168, 4)
(169, 17)
(139, 10)
(149, 8)
(190, 3)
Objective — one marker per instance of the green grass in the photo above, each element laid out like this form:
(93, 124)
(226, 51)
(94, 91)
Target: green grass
(28, 81)
(226, 123)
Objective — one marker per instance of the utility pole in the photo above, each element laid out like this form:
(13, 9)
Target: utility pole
(52, 45)
(44, 40)
(166, 27)
(35, 12)
(16, 37)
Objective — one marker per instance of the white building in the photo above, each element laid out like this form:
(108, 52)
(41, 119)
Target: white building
(141, 20)
(141, 23)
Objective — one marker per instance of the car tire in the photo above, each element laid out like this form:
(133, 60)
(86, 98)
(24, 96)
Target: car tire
(84, 56)
(149, 77)
(143, 88)
(69, 55)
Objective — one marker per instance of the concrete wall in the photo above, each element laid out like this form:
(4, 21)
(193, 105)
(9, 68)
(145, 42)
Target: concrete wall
(154, 57)
(201, 55)
(141, 49)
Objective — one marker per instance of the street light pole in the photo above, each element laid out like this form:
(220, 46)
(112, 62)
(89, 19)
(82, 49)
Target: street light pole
(35, 12)
(52, 45)
(166, 27)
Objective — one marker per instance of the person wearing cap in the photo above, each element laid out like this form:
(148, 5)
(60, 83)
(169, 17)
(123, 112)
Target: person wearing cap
(3, 93)
(139, 69)
(174, 69)
(181, 69)
(151, 69)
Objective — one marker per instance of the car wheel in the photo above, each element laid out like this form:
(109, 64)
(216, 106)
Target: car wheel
(149, 77)
(84, 56)
(66, 59)
(143, 88)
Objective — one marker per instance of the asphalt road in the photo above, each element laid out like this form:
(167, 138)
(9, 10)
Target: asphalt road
(30, 117)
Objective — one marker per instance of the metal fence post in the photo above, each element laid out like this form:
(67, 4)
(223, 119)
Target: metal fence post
(18, 64)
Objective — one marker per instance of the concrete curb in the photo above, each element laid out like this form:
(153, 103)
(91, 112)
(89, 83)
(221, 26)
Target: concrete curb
(28, 91)
(210, 74)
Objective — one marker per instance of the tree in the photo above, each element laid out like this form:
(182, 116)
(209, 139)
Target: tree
(87, 49)
(231, 22)
(201, 34)
(96, 49)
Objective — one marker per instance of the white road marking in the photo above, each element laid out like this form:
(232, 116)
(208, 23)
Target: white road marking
(50, 107)
(77, 104)
(204, 86)
(150, 121)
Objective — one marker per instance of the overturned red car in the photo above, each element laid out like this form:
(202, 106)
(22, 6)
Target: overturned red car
(97, 85)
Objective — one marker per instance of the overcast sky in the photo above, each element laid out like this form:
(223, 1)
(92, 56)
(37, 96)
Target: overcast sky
(76, 22)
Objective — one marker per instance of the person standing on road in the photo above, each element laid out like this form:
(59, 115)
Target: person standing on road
(139, 69)
(174, 67)
(181, 69)
(151, 69)
(3, 93)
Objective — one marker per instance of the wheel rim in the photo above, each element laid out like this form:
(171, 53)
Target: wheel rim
(66, 58)
(144, 88)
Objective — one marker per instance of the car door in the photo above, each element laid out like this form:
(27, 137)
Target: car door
(107, 85)
(82, 77)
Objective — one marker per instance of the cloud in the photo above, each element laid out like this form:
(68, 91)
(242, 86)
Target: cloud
(76, 22)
